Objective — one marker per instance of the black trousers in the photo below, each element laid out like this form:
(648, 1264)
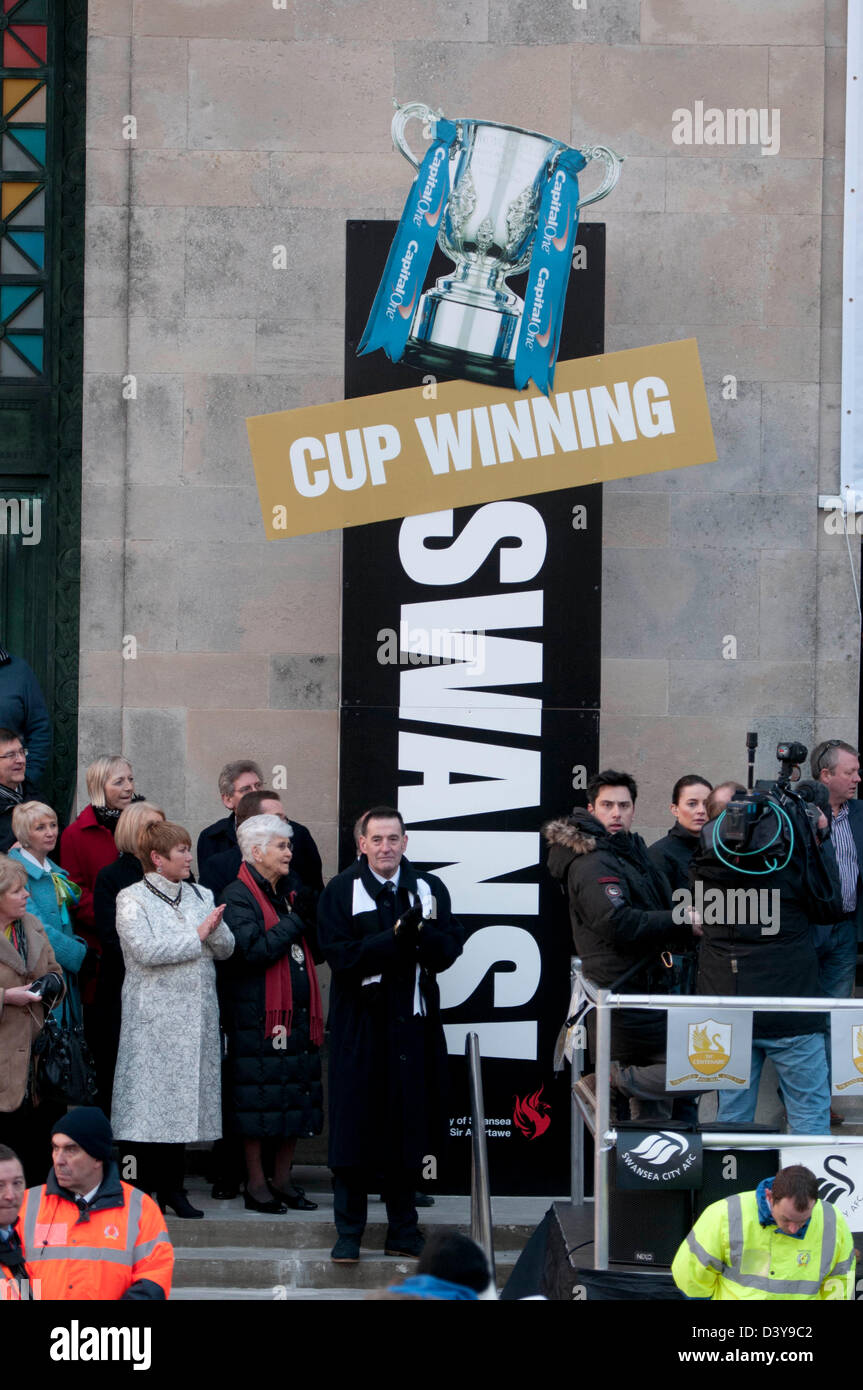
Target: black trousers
(153, 1167)
(397, 1186)
(27, 1130)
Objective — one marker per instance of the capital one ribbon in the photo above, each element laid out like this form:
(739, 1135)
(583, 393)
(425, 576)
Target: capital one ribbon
(551, 261)
(402, 281)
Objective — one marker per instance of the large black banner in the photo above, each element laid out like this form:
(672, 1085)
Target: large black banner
(470, 699)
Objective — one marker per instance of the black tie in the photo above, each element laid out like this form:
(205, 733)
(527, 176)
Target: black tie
(84, 1209)
(387, 903)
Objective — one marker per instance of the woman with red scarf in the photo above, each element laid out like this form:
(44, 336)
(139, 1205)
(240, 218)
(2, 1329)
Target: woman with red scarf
(272, 1014)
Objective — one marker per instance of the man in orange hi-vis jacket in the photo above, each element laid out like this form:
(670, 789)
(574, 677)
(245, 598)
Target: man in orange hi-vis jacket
(86, 1234)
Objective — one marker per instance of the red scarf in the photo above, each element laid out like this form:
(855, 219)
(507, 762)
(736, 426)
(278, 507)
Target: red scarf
(279, 992)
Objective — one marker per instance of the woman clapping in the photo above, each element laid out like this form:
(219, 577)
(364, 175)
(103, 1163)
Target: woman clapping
(167, 1085)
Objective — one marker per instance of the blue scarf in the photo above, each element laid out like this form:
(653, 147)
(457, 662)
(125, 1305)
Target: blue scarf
(765, 1215)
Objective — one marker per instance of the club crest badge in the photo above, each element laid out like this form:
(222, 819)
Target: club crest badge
(709, 1047)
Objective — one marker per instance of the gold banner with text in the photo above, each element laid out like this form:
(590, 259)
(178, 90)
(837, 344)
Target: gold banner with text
(433, 447)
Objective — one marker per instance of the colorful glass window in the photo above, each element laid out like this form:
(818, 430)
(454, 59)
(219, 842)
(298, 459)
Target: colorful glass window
(24, 130)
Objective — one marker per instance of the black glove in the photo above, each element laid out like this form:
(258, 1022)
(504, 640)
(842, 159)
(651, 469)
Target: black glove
(48, 987)
(305, 904)
(408, 925)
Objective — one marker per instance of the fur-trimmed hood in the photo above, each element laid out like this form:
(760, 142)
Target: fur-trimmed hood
(571, 836)
(579, 836)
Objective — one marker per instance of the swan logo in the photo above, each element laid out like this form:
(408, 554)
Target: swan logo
(709, 1047)
(837, 1185)
(658, 1158)
(659, 1149)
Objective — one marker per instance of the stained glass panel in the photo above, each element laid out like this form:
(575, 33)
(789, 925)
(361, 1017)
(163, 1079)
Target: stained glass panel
(24, 130)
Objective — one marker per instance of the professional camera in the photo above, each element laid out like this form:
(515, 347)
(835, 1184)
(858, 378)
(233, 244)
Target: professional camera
(762, 830)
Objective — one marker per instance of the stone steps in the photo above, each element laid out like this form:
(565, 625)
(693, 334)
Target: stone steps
(235, 1255)
(279, 1273)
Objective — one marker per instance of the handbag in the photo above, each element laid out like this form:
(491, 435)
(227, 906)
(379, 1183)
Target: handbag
(63, 1067)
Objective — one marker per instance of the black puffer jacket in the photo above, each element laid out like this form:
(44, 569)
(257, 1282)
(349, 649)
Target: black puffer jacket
(274, 1091)
(672, 855)
(744, 953)
(619, 902)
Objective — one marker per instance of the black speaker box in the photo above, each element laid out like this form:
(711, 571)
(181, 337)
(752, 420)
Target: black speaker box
(732, 1170)
(645, 1228)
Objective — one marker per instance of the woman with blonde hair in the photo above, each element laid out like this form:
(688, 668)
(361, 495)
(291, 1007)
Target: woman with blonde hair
(52, 895)
(167, 1090)
(104, 1029)
(87, 845)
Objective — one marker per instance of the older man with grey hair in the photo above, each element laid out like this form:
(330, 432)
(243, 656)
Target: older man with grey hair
(837, 766)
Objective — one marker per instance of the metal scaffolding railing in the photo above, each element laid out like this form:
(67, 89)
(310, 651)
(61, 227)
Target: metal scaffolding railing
(481, 1228)
(598, 1120)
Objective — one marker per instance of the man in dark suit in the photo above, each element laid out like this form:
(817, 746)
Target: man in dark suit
(837, 765)
(386, 932)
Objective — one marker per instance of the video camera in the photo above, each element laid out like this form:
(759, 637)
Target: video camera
(762, 830)
(794, 792)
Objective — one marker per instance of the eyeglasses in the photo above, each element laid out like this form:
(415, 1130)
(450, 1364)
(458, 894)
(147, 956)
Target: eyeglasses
(16, 753)
(831, 743)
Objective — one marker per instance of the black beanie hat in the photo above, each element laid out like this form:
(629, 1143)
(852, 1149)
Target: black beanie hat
(89, 1128)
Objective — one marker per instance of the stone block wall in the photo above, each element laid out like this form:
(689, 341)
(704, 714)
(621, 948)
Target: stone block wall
(259, 127)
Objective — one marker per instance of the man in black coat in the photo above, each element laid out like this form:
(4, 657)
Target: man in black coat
(235, 779)
(15, 787)
(672, 853)
(386, 932)
(219, 870)
(622, 921)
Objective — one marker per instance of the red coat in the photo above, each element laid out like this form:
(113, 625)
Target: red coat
(85, 848)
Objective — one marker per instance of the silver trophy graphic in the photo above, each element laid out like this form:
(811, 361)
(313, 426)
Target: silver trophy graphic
(469, 324)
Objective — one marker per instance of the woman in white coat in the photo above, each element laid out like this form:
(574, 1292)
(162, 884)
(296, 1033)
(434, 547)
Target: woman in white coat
(167, 1082)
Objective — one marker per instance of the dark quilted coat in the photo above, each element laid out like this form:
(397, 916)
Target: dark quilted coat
(274, 1092)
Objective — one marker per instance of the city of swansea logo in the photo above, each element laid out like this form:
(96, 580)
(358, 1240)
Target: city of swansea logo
(857, 1047)
(709, 1048)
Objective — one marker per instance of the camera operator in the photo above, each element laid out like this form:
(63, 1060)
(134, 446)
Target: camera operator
(620, 911)
(836, 766)
(762, 856)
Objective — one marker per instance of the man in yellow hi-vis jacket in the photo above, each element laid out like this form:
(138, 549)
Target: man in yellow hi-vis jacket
(778, 1242)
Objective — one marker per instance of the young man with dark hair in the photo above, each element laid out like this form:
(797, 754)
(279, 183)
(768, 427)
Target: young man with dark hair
(672, 854)
(621, 916)
(778, 1242)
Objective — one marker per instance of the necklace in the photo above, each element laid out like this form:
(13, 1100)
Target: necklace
(172, 902)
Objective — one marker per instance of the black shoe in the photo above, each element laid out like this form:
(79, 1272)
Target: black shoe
(271, 1208)
(179, 1203)
(346, 1251)
(422, 1199)
(296, 1200)
(411, 1246)
(224, 1191)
